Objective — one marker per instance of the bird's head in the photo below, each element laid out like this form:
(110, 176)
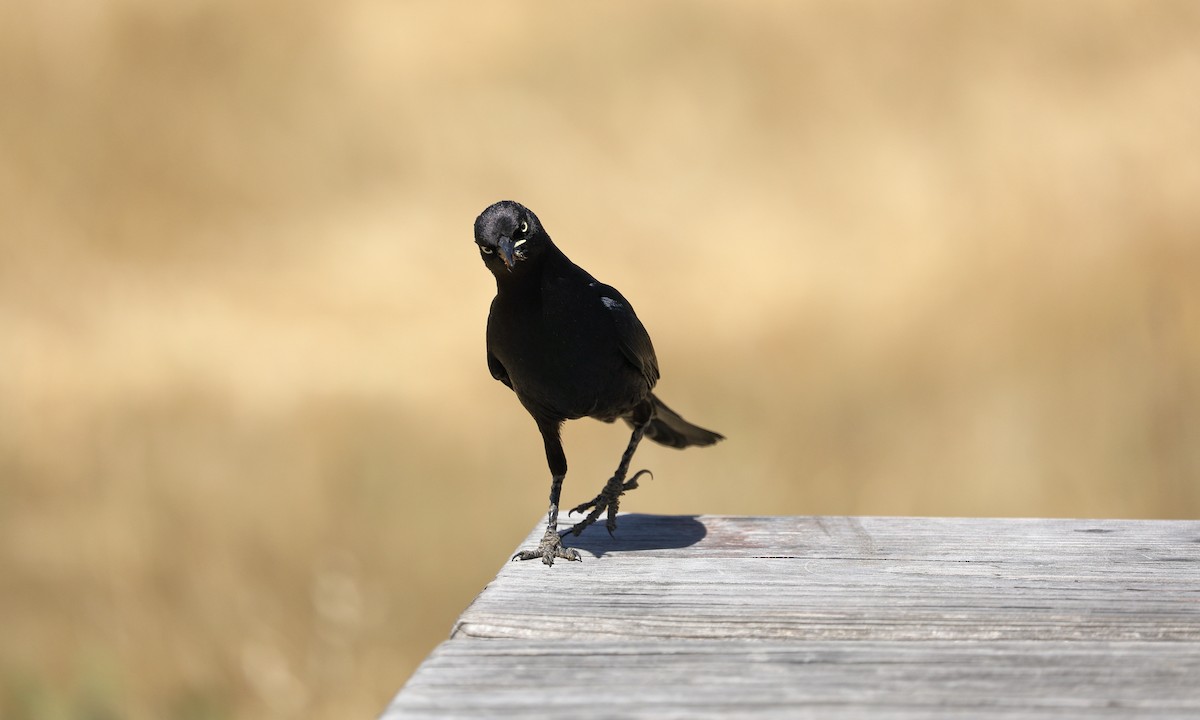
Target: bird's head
(509, 235)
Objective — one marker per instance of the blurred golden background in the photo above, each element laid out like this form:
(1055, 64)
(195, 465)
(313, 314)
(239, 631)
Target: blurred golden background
(935, 258)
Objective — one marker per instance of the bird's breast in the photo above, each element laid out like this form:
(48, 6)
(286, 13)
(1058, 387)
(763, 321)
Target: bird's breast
(564, 357)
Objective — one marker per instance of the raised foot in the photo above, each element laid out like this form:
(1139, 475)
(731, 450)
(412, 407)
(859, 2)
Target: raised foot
(608, 499)
(548, 549)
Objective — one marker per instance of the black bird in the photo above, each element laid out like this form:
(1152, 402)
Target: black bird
(570, 347)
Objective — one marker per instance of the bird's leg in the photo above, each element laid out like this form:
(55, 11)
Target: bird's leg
(551, 546)
(617, 485)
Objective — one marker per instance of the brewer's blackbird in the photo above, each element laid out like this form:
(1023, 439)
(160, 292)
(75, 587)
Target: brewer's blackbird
(570, 347)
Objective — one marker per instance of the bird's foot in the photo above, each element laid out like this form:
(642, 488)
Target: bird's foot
(608, 499)
(548, 549)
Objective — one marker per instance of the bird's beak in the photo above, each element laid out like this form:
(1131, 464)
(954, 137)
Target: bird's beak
(506, 252)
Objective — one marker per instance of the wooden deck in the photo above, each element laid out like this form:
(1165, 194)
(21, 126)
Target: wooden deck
(833, 617)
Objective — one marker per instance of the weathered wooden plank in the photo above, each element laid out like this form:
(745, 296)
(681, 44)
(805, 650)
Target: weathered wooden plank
(928, 538)
(638, 678)
(856, 578)
(832, 618)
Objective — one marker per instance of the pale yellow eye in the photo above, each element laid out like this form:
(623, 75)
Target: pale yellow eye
(524, 226)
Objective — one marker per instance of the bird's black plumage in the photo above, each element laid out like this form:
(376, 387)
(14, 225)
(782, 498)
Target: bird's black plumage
(570, 346)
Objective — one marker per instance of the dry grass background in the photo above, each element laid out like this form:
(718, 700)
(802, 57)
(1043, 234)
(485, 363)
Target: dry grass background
(912, 258)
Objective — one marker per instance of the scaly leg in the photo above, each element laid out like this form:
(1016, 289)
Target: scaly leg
(617, 485)
(551, 546)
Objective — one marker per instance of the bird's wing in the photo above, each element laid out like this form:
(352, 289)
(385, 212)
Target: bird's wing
(497, 369)
(631, 334)
(494, 365)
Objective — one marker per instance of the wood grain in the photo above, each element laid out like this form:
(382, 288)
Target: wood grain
(859, 578)
(804, 679)
(835, 617)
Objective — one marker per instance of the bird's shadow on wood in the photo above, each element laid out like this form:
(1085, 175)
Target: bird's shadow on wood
(636, 531)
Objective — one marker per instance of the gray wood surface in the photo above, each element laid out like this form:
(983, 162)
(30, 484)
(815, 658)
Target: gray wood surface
(833, 617)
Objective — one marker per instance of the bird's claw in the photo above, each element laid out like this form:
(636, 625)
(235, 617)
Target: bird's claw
(548, 549)
(632, 483)
(608, 499)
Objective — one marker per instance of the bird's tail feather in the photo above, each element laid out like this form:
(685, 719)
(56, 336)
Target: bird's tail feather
(667, 428)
